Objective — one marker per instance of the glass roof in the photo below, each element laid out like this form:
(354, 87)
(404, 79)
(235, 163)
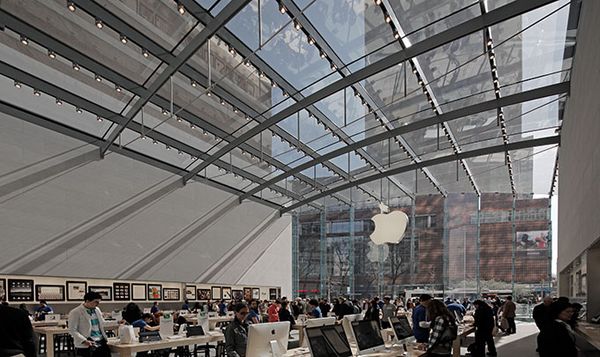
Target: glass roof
(312, 70)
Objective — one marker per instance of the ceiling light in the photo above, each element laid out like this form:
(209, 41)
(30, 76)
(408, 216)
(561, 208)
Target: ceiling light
(204, 132)
(222, 102)
(179, 119)
(78, 110)
(145, 53)
(388, 19)
(311, 41)
(232, 50)
(377, 2)
(59, 102)
(154, 142)
(247, 63)
(167, 147)
(118, 89)
(99, 23)
(396, 35)
(192, 126)
(262, 75)
(17, 84)
(489, 43)
(209, 93)
(247, 118)
(71, 6)
(98, 78)
(492, 56)
(333, 66)
(322, 54)
(179, 152)
(24, 40)
(181, 8)
(193, 83)
(51, 54)
(282, 9)
(284, 93)
(98, 118)
(297, 25)
(123, 39)
(36, 93)
(235, 110)
(165, 112)
(76, 66)
(273, 84)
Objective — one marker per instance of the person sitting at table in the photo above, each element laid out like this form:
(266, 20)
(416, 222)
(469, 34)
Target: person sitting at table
(186, 305)
(316, 311)
(253, 315)
(236, 333)
(144, 323)
(42, 310)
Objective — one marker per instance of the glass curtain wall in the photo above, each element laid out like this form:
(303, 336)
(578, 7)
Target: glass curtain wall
(461, 246)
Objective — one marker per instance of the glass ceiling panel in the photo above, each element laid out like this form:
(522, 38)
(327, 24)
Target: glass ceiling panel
(33, 59)
(453, 72)
(159, 20)
(353, 29)
(423, 19)
(533, 169)
(446, 175)
(475, 127)
(131, 140)
(490, 172)
(77, 29)
(45, 106)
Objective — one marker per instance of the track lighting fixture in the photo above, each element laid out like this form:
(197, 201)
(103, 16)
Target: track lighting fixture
(51, 54)
(99, 24)
(17, 84)
(71, 6)
(123, 39)
(181, 8)
(118, 89)
(282, 9)
(78, 110)
(145, 53)
(24, 40)
(59, 102)
(76, 66)
(36, 93)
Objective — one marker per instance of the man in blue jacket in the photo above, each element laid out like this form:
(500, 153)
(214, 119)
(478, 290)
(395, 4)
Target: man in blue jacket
(419, 315)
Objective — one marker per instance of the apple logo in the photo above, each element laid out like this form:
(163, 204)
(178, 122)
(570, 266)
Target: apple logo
(389, 227)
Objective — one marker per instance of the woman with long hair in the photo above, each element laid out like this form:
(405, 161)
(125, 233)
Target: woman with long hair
(443, 329)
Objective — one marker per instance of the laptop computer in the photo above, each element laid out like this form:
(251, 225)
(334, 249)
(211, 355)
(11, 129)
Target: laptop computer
(149, 336)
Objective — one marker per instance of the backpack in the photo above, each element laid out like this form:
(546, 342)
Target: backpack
(450, 332)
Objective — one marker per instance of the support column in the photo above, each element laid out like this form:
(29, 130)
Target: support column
(446, 249)
(514, 244)
(322, 254)
(413, 263)
(295, 250)
(549, 245)
(478, 247)
(351, 254)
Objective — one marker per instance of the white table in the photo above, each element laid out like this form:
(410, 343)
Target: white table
(51, 331)
(212, 321)
(125, 350)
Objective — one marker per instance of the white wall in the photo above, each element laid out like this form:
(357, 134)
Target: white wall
(65, 212)
(579, 191)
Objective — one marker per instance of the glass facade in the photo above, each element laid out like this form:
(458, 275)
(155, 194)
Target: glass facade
(461, 244)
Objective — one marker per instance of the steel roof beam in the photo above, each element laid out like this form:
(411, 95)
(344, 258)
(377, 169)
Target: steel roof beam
(230, 10)
(493, 17)
(529, 95)
(551, 140)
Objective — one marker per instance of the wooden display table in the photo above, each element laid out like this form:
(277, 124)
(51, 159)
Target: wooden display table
(126, 350)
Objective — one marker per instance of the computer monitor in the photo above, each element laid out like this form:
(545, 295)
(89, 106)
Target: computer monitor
(368, 336)
(346, 324)
(326, 341)
(401, 327)
(321, 321)
(268, 340)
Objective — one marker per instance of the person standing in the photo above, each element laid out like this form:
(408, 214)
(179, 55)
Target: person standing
(509, 312)
(273, 311)
(484, 325)
(42, 310)
(558, 338)
(16, 333)
(315, 310)
(236, 333)
(253, 315)
(155, 309)
(443, 327)
(389, 310)
(86, 326)
(541, 316)
(419, 317)
(373, 312)
(285, 315)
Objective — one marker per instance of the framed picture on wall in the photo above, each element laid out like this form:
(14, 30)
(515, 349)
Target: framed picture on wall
(154, 292)
(203, 294)
(272, 294)
(215, 292)
(190, 292)
(237, 294)
(138, 292)
(226, 293)
(76, 290)
(170, 294)
(50, 292)
(255, 293)
(122, 291)
(2, 290)
(247, 294)
(19, 290)
(104, 291)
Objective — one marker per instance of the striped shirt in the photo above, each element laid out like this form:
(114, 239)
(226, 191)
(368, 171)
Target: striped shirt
(96, 334)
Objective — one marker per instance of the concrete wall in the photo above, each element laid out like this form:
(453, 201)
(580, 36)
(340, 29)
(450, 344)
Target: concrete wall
(579, 188)
(65, 212)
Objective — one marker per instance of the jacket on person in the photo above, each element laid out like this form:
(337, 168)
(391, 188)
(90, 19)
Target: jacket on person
(236, 338)
(420, 314)
(557, 339)
(437, 344)
(80, 325)
(541, 316)
(16, 333)
(509, 309)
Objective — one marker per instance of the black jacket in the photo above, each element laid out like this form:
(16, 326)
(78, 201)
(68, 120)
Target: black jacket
(284, 315)
(484, 319)
(541, 316)
(236, 338)
(16, 333)
(556, 340)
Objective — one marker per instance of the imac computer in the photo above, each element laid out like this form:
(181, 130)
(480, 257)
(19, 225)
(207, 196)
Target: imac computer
(368, 336)
(327, 341)
(321, 321)
(268, 340)
(346, 324)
